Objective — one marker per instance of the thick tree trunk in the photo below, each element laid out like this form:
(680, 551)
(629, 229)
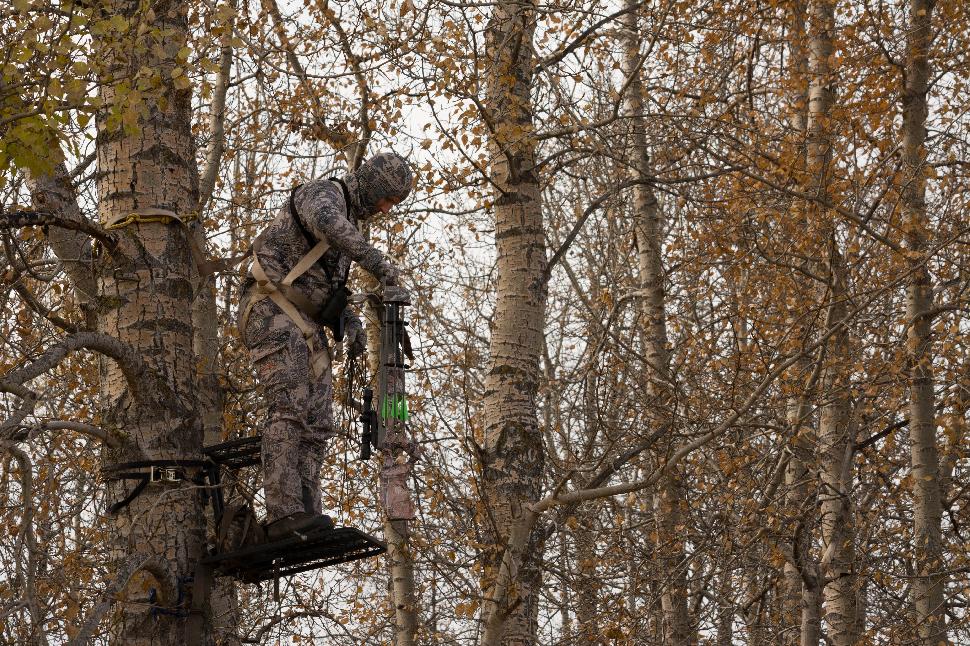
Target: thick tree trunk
(669, 501)
(513, 452)
(146, 291)
(927, 504)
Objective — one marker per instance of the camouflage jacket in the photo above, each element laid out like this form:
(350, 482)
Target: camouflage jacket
(323, 210)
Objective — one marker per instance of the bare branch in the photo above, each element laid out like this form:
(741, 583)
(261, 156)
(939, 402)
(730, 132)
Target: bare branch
(592, 208)
(143, 383)
(42, 310)
(127, 569)
(112, 440)
(17, 219)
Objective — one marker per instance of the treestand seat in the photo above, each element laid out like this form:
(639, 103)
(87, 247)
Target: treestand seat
(236, 454)
(316, 548)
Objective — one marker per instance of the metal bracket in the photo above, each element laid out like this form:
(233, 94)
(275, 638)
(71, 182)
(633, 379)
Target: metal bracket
(165, 474)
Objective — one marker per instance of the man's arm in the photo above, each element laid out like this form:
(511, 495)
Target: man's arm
(320, 205)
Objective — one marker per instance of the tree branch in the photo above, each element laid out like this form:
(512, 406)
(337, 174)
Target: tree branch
(18, 219)
(127, 569)
(217, 121)
(42, 310)
(112, 440)
(144, 384)
(594, 205)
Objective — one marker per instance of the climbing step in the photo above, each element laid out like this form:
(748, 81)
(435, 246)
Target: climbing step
(313, 549)
(236, 454)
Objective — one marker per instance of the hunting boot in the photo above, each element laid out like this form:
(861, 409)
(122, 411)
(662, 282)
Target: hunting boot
(298, 522)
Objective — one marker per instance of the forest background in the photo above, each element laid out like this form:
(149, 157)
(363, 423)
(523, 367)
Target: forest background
(690, 285)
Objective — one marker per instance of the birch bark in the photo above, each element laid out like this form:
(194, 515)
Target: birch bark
(669, 499)
(146, 289)
(399, 555)
(513, 457)
(834, 441)
(927, 591)
(801, 598)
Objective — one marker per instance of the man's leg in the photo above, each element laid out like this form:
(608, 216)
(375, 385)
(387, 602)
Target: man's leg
(281, 360)
(318, 431)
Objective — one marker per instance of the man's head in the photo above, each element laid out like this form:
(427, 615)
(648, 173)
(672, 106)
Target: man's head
(383, 181)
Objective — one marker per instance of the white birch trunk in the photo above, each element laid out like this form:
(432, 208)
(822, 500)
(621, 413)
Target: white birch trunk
(835, 443)
(927, 592)
(669, 501)
(513, 449)
(145, 300)
(400, 561)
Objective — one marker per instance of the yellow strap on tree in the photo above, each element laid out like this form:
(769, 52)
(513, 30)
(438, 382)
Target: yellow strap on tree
(147, 215)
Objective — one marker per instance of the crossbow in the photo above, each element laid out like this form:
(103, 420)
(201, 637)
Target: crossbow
(384, 422)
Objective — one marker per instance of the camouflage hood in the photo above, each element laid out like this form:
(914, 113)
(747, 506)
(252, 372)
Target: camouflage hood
(383, 176)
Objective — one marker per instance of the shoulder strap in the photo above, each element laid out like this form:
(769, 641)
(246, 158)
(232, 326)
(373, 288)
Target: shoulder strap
(317, 248)
(346, 192)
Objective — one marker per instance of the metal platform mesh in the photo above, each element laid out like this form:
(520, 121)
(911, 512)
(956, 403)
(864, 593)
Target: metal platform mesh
(236, 454)
(320, 548)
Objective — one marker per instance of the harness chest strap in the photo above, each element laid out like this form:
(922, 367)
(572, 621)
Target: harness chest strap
(290, 301)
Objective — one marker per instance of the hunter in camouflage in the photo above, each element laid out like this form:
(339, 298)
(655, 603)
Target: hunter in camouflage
(289, 350)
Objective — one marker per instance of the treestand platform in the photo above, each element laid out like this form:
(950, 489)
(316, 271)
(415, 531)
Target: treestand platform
(310, 550)
(236, 454)
(315, 548)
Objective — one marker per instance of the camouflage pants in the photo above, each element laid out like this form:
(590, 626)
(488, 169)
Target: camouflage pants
(300, 409)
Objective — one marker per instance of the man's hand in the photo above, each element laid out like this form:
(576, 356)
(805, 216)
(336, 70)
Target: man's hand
(390, 274)
(355, 342)
(396, 294)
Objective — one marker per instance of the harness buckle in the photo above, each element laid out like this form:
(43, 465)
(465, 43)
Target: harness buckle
(165, 474)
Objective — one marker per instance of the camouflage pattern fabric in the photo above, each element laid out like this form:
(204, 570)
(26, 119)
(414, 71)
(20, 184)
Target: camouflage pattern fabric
(299, 410)
(383, 175)
(300, 406)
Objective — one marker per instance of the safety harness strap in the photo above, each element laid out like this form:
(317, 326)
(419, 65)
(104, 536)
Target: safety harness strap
(306, 262)
(292, 303)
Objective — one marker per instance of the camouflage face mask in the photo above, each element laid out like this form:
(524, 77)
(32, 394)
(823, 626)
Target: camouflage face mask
(383, 176)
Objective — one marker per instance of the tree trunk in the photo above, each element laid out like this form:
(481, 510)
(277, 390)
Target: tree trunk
(146, 289)
(587, 584)
(834, 442)
(801, 591)
(669, 501)
(513, 450)
(399, 555)
(927, 504)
